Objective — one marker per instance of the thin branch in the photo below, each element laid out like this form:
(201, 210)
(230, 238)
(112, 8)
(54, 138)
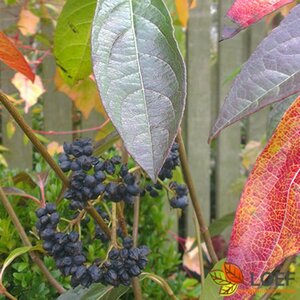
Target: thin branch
(93, 212)
(200, 254)
(121, 219)
(34, 256)
(284, 269)
(136, 286)
(196, 204)
(35, 141)
(114, 224)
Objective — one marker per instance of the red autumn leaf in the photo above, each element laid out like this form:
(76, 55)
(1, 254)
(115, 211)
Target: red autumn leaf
(245, 13)
(12, 57)
(267, 224)
(233, 273)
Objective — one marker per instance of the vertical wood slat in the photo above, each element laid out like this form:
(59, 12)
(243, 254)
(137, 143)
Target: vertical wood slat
(20, 154)
(257, 122)
(57, 106)
(228, 142)
(198, 116)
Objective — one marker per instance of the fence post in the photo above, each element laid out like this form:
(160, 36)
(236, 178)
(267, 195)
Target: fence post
(20, 154)
(198, 110)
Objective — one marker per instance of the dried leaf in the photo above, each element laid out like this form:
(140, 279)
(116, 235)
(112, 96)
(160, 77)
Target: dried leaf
(84, 94)
(28, 22)
(267, 223)
(182, 7)
(54, 148)
(12, 57)
(29, 91)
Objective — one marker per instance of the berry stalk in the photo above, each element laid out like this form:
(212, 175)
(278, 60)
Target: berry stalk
(198, 211)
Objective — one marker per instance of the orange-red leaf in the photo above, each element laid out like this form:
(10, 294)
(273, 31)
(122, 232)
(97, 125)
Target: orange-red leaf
(267, 224)
(244, 13)
(233, 273)
(12, 57)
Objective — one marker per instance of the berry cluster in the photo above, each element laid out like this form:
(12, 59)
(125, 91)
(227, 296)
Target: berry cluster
(89, 174)
(66, 249)
(125, 189)
(180, 200)
(171, 163)
(125, 263)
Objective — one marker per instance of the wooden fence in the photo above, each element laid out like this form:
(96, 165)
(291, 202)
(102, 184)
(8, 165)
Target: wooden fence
(209, 65)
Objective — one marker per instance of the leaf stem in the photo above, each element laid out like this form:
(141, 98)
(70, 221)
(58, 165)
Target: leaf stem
(136, 286)
(160, 281)
(196, 204)
(35, 141)
(114, 224)
(200, 254)
(34, 256)
(121, 219)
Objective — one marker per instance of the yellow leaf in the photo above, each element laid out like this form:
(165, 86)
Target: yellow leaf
(84, 94)
(28, 22)
(182, 7)
(250, 154)
(29, 91)
(3, 161)
(228, 290)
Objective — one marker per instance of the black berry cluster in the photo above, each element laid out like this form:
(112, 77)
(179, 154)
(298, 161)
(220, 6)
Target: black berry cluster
(125, 189)
(66, 249)
(124, 264)
(171, 163)
(180, 200)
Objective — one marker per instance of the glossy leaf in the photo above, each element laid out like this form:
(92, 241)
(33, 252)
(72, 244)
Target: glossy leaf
(267, 223)
(245, 13)
(12, 57)
(141, 76)
(94, 292)
(218, 276)
(271, 74)
(72, 39)
(233, 273)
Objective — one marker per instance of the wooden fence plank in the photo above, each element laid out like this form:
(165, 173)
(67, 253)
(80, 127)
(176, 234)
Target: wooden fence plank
(20, 155)
(228, 160)
(197, 122)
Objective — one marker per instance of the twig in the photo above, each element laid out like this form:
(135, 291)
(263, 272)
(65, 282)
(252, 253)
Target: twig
(121, 219)
(93, 212)
(34, 256)
(114, 224)
(284, 269)
(136, 286)
(200, 254)
(189, 181)
(35, 141)
(7, 294)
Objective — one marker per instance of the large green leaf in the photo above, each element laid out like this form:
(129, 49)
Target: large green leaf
(219, 225)
(95, 292)
(72, 39)
(141, 76)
